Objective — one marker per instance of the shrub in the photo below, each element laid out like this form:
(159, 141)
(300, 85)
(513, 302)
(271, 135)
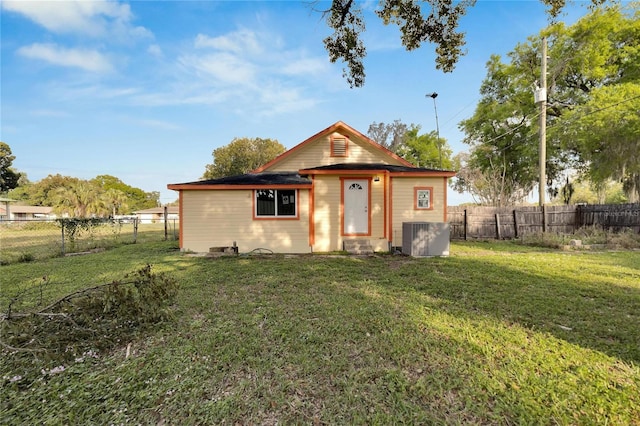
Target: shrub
(26, 257)
(37, 225)
(626, 238)
(543, 239)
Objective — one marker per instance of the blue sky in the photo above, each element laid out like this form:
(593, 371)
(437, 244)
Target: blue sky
(146, 90)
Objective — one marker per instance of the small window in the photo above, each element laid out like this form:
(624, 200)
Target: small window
(276, 203)
(339, 146)
(423, 198)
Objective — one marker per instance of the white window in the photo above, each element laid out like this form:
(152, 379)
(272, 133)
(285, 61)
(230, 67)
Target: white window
(276, 203)
(423, 198)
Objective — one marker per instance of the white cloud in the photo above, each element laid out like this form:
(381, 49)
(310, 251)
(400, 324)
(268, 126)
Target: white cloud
(186, 95)
(50, 113)
(306, 66)
(249, 58)
(89, 60)
(277, 99)
(92, 18)
(242, 41)
(155, 50)
(250, 72)
(159, 124)
(224, 68)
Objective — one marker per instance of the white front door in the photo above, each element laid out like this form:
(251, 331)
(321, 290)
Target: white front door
(355, 206)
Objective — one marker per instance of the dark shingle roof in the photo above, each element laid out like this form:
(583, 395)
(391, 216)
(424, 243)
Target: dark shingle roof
(373, 166)
(265, 178)
(294, 178)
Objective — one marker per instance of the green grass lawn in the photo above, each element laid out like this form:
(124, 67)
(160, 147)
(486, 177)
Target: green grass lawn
(497, 333)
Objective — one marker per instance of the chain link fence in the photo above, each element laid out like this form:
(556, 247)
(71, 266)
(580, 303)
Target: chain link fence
(28, 240)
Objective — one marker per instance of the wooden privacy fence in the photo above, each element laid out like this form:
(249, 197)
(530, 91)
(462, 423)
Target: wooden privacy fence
(513, 222)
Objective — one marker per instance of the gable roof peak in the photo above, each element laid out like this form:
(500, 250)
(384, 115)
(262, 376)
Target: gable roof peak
(338, 125)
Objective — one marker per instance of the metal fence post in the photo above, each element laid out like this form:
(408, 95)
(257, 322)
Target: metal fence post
(175, 230)
(166, 217)
(465, 224)
(62, 230)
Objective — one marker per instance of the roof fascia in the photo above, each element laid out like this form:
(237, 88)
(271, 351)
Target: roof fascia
(196, 187)
(434, 173)
(343, 172)
(285, 154)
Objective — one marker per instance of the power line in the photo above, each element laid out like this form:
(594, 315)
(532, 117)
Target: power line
(525, 121)
(530, 119)
(586, 114)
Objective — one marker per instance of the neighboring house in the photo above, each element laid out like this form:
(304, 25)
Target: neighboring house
(27, 213)
(335, 186)
(156, 214)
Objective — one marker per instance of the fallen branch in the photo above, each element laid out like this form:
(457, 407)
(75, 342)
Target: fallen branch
(67, 298)
(11, 348)
(93, 318)
(78, 293)
(4, 317)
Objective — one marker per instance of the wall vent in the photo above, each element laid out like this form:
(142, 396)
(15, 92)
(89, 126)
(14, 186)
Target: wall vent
(339, 146)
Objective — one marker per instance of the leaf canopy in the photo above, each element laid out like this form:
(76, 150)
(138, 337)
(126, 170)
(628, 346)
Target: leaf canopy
(241, 156)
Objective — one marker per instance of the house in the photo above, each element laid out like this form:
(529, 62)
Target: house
(156, 214)
(27, 213)
(336, 186)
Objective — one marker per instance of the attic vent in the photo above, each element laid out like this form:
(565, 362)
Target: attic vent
(339, 146)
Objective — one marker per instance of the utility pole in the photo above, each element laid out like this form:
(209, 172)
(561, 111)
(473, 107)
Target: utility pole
(541, 98)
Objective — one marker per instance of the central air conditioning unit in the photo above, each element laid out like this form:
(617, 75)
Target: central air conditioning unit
(425, 238)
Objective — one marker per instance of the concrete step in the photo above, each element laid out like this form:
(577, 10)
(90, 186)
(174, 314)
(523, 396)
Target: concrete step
(359, 246)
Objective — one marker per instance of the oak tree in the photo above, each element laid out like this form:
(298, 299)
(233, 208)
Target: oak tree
(9, 178)
(391, 136)
(427, 150)
(136, 198)
(592, 105)
(419, 21)
(241, 156)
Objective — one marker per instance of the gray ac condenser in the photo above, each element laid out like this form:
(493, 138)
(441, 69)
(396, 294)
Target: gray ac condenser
(425, 238)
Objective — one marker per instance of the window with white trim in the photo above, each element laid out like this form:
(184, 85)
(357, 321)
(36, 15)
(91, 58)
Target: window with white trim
(423, 198)
(276, 203)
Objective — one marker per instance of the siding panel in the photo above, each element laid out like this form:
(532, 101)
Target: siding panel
(218, 218)
(318, 153)
(327, 214)
(403, 202)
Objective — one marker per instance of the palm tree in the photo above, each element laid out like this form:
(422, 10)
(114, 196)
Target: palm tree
(115, 200)
(81, 199)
